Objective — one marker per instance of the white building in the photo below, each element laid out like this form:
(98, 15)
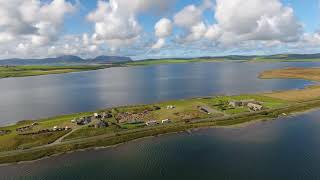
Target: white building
(165, 121)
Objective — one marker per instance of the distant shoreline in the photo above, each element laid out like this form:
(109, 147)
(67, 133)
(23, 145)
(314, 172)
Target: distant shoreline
(39, 70)
(26, 71)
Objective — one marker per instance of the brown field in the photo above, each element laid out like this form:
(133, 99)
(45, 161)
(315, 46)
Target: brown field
(312, 74)
(309, 93)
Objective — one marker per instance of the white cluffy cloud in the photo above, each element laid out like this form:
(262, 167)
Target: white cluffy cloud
(31, 22)
(257, 20)
(190, 18)
(239, 21)
(163, 29)
(116, 21)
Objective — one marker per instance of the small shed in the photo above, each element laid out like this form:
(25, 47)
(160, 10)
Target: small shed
(165, 121)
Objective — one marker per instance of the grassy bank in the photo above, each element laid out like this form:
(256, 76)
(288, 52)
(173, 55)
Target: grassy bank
(170, 61)
(22, 71)
(120, 137)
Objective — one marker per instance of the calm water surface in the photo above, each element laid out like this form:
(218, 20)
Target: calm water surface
(286, 149)
(45, 96)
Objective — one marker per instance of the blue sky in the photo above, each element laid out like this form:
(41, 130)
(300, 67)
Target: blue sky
(158, 28)
(308, 11)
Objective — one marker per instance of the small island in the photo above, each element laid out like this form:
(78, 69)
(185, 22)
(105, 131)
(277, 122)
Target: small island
(30, 140)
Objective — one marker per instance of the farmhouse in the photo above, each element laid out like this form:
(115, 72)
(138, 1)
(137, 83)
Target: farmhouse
(97, 116)
(84, 120)
(101, 124)
(4, 132)
(242, 103)
(106, 115)
(255, 107)
(151, 123)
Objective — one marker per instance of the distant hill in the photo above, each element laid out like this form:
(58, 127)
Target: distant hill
(253, 57)
(75, 60)
(66, 60)
(111, 59)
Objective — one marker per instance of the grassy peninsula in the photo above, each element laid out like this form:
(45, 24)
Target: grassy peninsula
(22, 71)
(309, 93)
(31, 140)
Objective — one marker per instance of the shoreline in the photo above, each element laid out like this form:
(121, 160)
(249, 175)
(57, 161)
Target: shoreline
(186, 130)
(189, 131)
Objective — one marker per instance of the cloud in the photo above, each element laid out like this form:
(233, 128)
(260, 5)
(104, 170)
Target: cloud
(159, 44)
(31, 21)
(190, 19)
(116, 21)
(163, 29)
(311, 39)
(257, 20)
(238, 21)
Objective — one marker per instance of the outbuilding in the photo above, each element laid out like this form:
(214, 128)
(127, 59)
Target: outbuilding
(151, 123)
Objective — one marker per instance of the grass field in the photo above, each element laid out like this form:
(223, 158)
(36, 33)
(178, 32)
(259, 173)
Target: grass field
(257, 60)
(177, 61)
(312, 92)
(312, 74)
(170, 61)
(22, 71)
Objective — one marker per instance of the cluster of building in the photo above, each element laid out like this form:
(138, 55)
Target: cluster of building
(26, 128)
(154, 122)
(54, 129)
(251, 104)
(83, 120)
(88, 119)
(4, 132)
(103, 115)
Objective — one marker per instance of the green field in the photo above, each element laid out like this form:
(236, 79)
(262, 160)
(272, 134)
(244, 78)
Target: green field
(257, 60)
(170, 61)
(21, 71)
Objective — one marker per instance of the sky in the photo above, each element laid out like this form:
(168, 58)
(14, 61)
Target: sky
(144, 29)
